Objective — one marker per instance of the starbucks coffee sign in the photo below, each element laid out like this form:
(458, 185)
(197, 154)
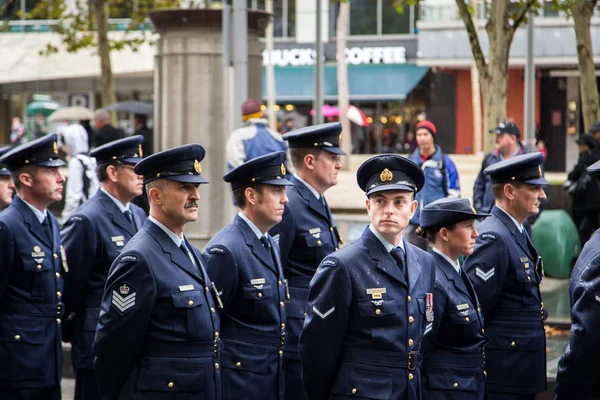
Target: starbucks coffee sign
(354, 55)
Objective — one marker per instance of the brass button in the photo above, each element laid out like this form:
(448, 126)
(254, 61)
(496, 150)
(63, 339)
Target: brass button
(282, 326)
(206, 289)
(467, 319)
(512, 344)
(484, 373)
(17, 337)
(410, 376)
(542, 305)
(279, 282)
(410, 342)
(238, 364)
(212, 310)
(216, 365)
(280, 353)
(318, 242)
(528, 278)
(482, 330)
(281, 304)
(455, 385)
(411, 319)
(58, 321)
(170, 385)
(57, 275)
(305, 315)
(354, 390)
(336, 249)
(216, 335)
(58, 294)
(330, 229)
(191, 303)
(39, 266)
(378, 311)
(259, 295)
(478, 309)
(55, 256)
(409, 299)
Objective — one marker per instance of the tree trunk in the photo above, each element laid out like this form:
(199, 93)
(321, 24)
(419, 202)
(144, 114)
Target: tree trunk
(342, 80)
(107, 79)
(270, 70)
(582, 13)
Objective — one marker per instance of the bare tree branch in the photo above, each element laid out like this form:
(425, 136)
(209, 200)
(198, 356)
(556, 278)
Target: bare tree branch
(478, 56)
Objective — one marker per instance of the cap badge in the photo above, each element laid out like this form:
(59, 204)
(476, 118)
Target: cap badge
(140, 152)
(282, 169)
(55, 148)
(197, 166)
(340, 139)
(473, 208)
(386, 175)
(540, 170)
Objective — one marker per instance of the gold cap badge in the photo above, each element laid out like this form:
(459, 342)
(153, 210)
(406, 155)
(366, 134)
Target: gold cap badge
(55, 147)
(140, 152)
(283, 171)
(386, 175)
(340, 139)
(473, 208)
(540, 170)
(197, 166)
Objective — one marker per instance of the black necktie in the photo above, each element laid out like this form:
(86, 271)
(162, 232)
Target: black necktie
(185, 250)
(398, 254)
(47, 228)
(265, 242)
(129, 216)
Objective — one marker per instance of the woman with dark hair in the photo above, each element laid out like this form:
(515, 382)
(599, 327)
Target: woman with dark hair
(453, 364)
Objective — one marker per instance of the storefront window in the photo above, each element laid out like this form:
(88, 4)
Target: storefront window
(376, 17)
(284, 16)
(363, 17)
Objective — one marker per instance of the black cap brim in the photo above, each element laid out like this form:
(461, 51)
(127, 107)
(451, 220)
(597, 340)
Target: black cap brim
(51, 163)
(334, 150)
(278, 182)
(133, 161)
(536, 181)
(390, 187)
(181, 178)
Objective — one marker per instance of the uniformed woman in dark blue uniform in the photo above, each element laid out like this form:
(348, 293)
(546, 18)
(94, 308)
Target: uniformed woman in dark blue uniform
(453, 365)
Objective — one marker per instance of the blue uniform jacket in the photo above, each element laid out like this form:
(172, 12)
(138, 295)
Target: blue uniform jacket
(158, 332)
(365, 325)
(578, 371)
(506, 272)
(453, 367)
(306, 235)
(92, 237)
(253, 320)
(439, 182)
(31, 286)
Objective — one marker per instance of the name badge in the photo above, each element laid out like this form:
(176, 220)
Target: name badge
(258, 283)
(376, 293)
(524, 259)
(186, 288)
(315, 232)
(461, 307)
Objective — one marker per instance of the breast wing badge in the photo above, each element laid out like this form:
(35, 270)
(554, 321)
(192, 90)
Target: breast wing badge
(123, 298)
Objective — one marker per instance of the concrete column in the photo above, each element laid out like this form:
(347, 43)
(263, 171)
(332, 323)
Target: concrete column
(190, 87)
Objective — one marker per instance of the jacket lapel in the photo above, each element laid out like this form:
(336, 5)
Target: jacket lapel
(34, 225)
(254, 243)
(383, 260)
(451, 274)
(169, 247)
(412, 265)
(519, 238)
(115, 213)
(310, 198)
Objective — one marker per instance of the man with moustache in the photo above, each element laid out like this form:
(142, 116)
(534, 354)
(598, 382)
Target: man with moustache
(243, 260)
(307, 232)
(7, 187)
(158, 331)
(506, 270)
(370, 304)
(93, 237)
(31, 270)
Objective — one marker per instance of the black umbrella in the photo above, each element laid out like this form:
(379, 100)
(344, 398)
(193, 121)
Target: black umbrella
(134, 107)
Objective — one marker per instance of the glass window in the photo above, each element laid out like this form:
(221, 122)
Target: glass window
(394, 22)
(291, 18)
(363, 17)
(277, 18)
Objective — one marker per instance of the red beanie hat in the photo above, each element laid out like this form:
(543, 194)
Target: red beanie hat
(427, 125)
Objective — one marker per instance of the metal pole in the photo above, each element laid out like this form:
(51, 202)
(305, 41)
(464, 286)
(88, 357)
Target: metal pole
(529, 123)
(227, 75)
(270, 69)
(239, 58)
(318, 101)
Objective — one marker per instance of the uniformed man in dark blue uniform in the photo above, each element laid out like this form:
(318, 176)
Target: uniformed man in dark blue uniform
(307, 232)
(506, 271)
(243, 261)
(453, 367)
(370, 303)
(578, 369)
(158, 332)
(31, 275)
(7, 187)
(93, 237)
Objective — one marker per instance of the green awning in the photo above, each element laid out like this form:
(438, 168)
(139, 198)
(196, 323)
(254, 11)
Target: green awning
(366, 82)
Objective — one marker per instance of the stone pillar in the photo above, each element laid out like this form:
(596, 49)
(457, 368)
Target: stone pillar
(192, 102)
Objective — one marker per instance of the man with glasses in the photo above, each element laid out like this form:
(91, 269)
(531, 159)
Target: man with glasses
(93, 237)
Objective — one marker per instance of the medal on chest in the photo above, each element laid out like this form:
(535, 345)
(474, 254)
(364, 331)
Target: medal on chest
(429, 307)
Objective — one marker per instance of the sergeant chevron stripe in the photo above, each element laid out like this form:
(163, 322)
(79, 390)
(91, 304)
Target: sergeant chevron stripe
(325, 314)
(485, 276)
(428, 328)
(123, 303)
